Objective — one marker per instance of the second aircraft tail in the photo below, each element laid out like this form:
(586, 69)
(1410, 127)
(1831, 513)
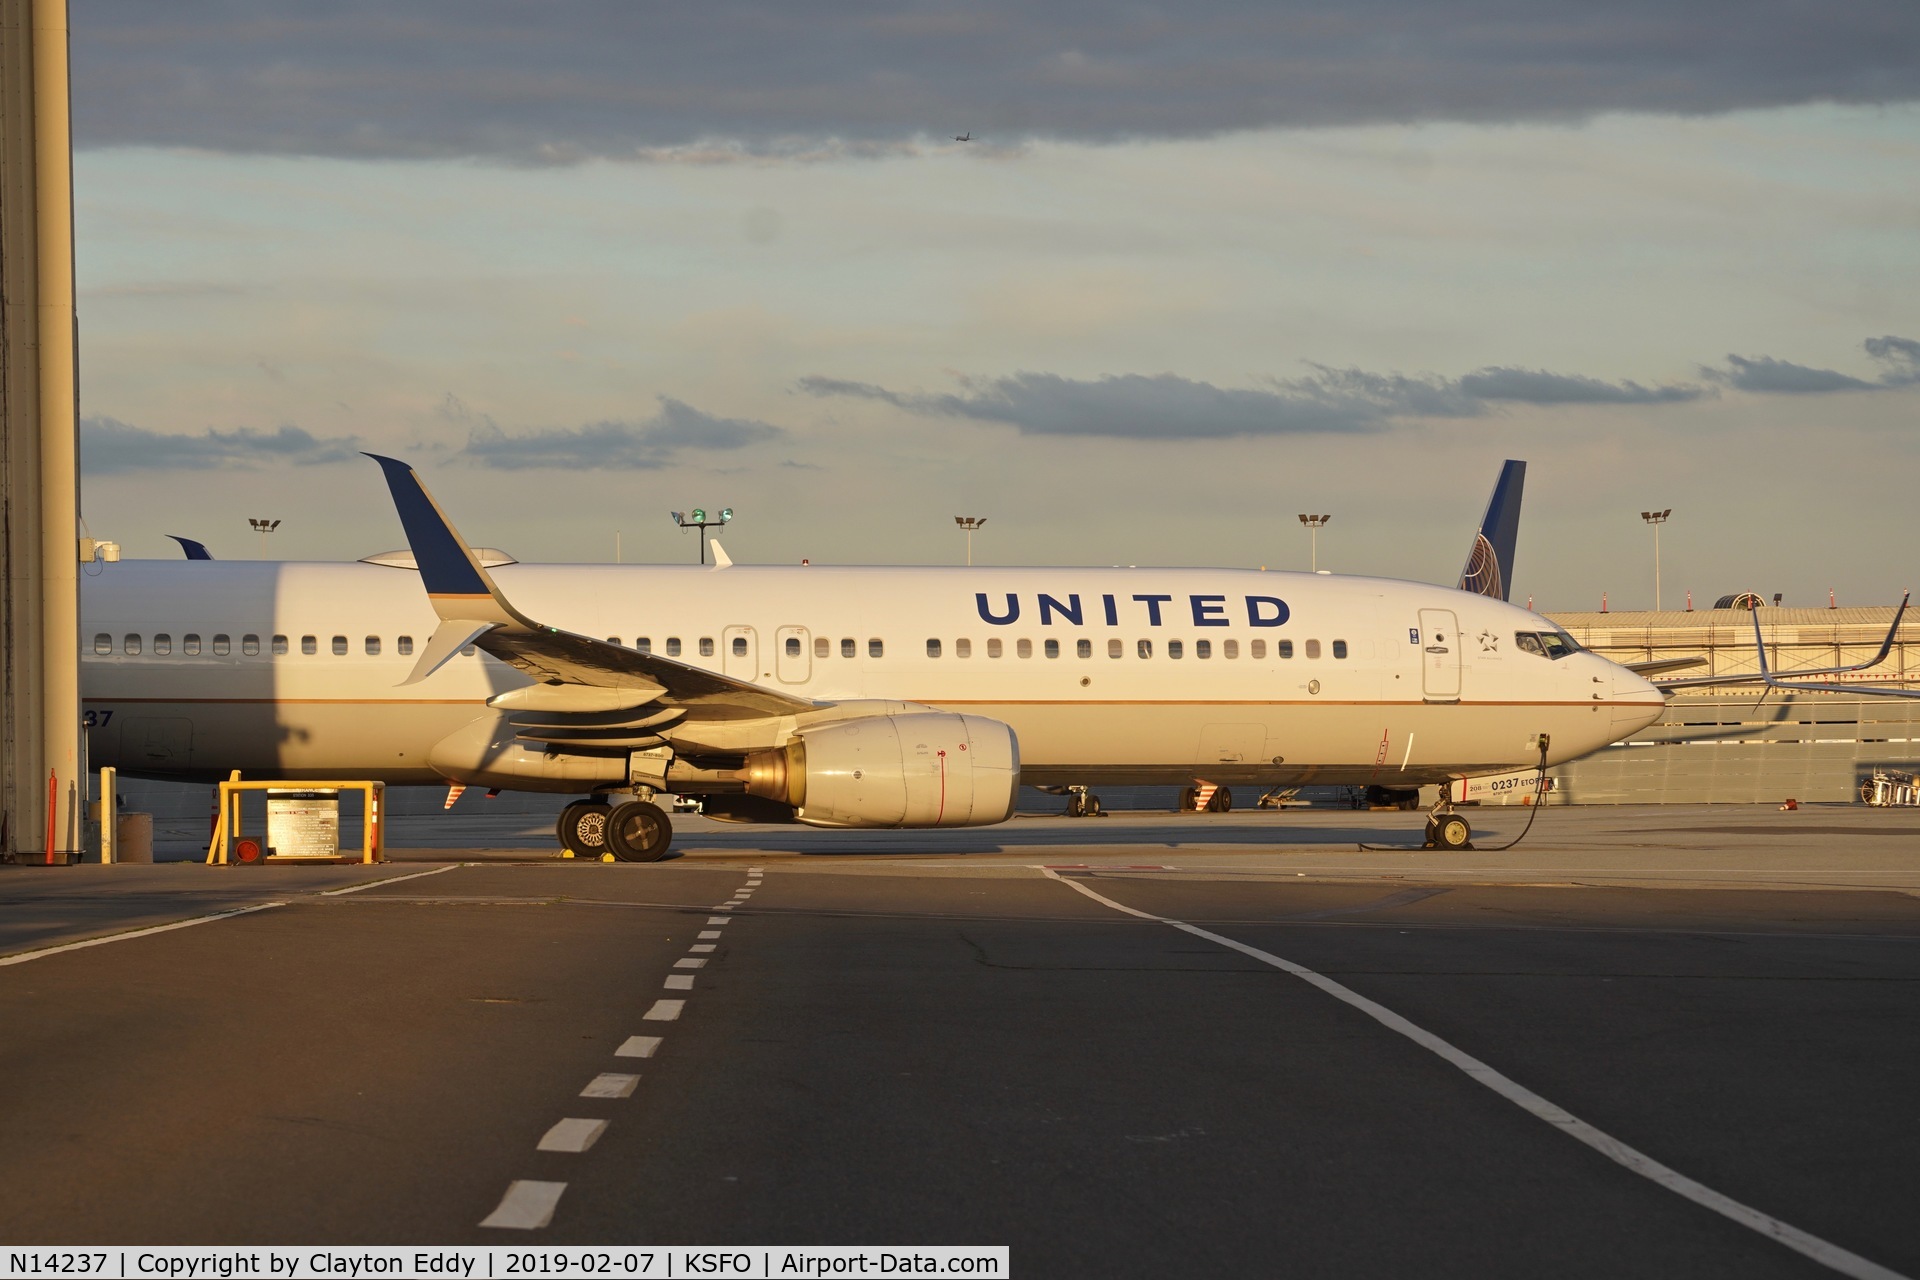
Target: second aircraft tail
(1489, 567)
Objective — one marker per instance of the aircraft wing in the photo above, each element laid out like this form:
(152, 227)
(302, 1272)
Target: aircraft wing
(1489, 567)
(1660, 666)
(1804, 680)
(473, 611)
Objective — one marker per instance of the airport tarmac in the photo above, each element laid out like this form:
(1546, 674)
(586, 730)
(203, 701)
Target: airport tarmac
(1643, 1041)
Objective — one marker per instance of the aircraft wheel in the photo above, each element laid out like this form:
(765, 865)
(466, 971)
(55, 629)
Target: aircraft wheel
(1451, 832)
(1076, 805)
(1222, 801)
(1189, 796)
(638, 831)
(583, 828)
(1093, 805)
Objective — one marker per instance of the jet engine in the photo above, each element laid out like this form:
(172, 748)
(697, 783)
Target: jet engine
(927, 769)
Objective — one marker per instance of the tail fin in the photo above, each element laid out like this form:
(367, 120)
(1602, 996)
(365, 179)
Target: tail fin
(194, 550)
(1489, 567)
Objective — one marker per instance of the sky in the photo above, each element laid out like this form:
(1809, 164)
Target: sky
(1199, 269)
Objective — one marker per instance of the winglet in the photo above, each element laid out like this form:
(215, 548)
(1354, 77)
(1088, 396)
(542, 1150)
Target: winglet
(455, 582)
(721, 560)
(1489, 567)
(194, 550)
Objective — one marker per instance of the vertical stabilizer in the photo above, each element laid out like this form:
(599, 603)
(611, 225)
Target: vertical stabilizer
(1489, 568)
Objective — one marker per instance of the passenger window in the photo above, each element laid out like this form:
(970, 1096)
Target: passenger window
(131, 644)
(1258, 648)
(739, 646)
(339, 646)
(1145, 648)
(1115, 649)
(469, 651)
(403, 645)
(190, 644)
(250, 645)
(1284, 648)
(822, 647)
(1527, 642)
(643, 643)
(613, 640)
(1052, 648)
(993, 647)
(876, 648)
(1176, 649)
(373, 646)
(706, 647)
(933, 648)
(1083, 648)
(1203, 648)
(163, 644)
(673, 646)
(279, 644)
(793, 646)
(963, 648)
(222, 646)
(1313, 648)
(846, 647)
(309, 645)
(1230, 648)
(1023, 647)
(1339, 648)
(102, 643)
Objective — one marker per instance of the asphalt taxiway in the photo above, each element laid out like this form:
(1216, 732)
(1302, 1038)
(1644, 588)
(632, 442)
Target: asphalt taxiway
(1643, 1041)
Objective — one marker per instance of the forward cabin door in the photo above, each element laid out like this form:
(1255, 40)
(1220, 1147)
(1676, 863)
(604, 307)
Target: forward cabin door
(740, 653)
(1439, 655)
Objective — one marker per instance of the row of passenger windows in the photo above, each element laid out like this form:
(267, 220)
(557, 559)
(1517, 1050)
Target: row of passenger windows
(1117, 648)
(190, 644)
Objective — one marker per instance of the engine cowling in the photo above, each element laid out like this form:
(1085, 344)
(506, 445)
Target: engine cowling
(931, 769)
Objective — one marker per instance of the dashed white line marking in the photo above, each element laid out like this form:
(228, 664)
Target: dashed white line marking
(375, 884)
(22, 957)
(717, 919)
(610, 1084)
(754, 871)
(709, 933)
(724, 906)
(1821, 1251)
(645, 1046)
(703, 946)
(678, 982)
(684, 963)
(527, 1206)
(664, 1011)
(572, 1135)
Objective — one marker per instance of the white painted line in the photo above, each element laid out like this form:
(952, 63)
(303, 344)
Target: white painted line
(610, 1084)
(709, 933)
(21, 957)
(703, 946)
(1821, 1251)
(645, 1046)
(375, 884)
(684, 963)
(572, 1135)
(717, 919)
(754, 871)
(678, 982)
(664, 1011)
(527, 1206)
(725, 906)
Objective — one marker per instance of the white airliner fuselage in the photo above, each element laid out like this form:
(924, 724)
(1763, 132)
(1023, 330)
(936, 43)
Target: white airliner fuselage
(195, 668)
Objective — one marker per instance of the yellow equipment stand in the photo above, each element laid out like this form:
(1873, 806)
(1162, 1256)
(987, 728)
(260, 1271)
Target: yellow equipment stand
(227, 828)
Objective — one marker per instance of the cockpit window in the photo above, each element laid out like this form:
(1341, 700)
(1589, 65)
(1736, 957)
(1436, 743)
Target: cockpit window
(1527, 642)
(1548, 644)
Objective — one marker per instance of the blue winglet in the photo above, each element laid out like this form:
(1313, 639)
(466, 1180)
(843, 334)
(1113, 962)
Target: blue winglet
(1489, 568)
(194, 550)
(447, 568)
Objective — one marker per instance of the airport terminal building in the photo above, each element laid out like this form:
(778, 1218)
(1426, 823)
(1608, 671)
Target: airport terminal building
(1731, 744)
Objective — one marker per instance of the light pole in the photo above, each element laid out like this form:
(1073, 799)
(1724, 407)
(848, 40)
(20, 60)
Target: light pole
(697, 519)
(1656, 519)
(263, 527)
(969, 523)
(1314, 525)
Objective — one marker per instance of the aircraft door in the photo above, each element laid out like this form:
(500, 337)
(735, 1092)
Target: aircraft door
(793, 654)
(1439, 655)
(740, 653)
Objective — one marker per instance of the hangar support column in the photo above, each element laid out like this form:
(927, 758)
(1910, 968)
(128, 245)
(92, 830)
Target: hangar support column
(39, 439)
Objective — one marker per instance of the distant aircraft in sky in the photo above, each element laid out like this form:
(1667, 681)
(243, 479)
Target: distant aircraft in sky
(964, 137)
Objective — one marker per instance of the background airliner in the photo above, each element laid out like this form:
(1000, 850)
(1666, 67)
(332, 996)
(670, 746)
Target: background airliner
(838, 697)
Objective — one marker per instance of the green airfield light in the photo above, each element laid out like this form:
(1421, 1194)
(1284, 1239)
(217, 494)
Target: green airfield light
(726, 514)
(699, 514)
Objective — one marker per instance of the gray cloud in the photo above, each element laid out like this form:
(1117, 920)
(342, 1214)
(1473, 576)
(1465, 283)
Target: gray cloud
(1901, 354)
(108, 446)
(624, 445)
(1900, 358)
(1166, 406)
(743, 78)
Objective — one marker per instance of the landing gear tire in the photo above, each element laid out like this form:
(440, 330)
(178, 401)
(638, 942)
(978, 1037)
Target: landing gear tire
(583, 828)
(1189, 797)
(1077, 805)
(1449, 831)
(1222, 801)
(1093, 806)
(639, 831)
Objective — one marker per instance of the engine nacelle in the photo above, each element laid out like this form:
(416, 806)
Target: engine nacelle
(930, 769)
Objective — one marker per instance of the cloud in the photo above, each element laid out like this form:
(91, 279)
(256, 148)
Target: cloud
(109, 446)
(743, 79)
(1902, 354)
(622, 445)
(1166, 406)
(1768, 376)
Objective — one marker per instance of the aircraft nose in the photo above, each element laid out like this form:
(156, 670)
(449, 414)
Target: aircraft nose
(1637, 702)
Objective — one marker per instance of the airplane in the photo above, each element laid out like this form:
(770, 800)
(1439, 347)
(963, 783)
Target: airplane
(964, 137)
(832, 697)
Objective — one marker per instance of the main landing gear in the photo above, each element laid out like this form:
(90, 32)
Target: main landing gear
(636, 831)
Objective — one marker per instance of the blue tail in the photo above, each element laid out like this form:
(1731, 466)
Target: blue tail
(1489, 568)
(194, 550)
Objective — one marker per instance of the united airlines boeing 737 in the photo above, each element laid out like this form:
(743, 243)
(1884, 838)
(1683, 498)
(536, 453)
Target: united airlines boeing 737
(835, 697)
